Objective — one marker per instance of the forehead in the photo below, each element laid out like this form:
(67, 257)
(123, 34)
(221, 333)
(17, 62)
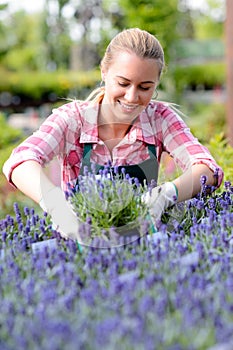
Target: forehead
(131, 66)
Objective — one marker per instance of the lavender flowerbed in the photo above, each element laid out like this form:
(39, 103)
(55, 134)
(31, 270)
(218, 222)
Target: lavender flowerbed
(170, 290)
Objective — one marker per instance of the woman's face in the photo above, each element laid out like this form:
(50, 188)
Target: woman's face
(130, 82)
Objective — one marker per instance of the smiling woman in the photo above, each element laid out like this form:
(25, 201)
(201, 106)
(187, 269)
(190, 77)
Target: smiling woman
(119, 124)
(127, 93)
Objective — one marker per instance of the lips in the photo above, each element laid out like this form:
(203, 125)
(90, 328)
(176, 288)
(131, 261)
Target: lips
(128, 108)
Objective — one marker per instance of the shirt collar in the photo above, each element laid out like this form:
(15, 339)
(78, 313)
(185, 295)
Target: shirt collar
(89, 117)
(141, 129)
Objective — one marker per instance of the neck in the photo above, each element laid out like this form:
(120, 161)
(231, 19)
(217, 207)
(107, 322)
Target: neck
(113, 130)
(112, 127)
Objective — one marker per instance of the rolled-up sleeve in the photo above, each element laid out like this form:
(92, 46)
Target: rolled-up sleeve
(180, 143)
(54, 138)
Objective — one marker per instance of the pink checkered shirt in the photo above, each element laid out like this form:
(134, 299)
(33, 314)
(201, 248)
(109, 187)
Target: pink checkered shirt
(65, 131)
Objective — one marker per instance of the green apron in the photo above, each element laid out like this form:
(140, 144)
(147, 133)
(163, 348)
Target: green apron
(145, 171)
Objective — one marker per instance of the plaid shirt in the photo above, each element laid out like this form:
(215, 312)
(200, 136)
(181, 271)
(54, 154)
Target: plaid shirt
(65, 131)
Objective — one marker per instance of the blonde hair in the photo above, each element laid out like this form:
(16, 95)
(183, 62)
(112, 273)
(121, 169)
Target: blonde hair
(135, 40)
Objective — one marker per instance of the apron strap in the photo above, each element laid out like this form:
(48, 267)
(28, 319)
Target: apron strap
(152, 149)
(87, 148)
(146, 170)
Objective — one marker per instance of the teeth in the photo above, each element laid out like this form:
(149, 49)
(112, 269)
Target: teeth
(128, 107)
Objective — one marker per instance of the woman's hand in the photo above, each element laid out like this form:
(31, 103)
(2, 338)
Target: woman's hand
(159, 199)
(64, 219)
(30, 178)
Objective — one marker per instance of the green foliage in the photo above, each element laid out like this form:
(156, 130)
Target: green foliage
(210, 24)
(207, 75)
(3, 6)
(207, 120)
(21, 45)
(45, 40)
(9, 135)
(20, 59)
(208, 124)
(196, 49)
(35, 85)
(55, 35)
(207, 28)
(9, 138)
(108, 202)
(158, 19)
(9, 195)
(223, 153)
(206, 206)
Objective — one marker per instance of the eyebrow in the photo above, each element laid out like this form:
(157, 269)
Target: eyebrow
(143, 82)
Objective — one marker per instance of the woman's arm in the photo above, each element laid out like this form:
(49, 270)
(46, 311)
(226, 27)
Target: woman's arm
(182, 188)
(189, 184)
(175, 138)
(30, 179)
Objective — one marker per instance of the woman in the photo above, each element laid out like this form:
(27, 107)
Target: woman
(121, 123)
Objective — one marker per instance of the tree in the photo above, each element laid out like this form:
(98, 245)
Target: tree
(208, 20)
(21, 42)
(159, 18)
(89, 16)
(77, 34)
(55, 35)
(3, 48)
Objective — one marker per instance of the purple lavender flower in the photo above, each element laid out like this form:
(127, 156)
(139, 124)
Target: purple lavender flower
(123, 171)
(85, 170)
(163, 290)
(101, 195)
(26, 211)
(203, 180)
(4, 236)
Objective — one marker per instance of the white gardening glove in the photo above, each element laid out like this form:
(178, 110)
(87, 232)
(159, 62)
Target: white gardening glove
(64, 219)
(159, 198)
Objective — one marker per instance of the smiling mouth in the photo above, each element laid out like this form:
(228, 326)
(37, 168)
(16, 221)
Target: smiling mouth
(129, 108)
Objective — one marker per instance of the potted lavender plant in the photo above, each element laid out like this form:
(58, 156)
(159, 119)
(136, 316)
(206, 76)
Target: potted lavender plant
(109, 207)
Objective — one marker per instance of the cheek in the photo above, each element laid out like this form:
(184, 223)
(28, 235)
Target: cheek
(146, 98)
(112, 90)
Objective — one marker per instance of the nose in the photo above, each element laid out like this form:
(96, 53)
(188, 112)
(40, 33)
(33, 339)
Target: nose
(131, 94)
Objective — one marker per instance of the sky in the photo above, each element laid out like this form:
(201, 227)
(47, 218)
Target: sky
(37, 5)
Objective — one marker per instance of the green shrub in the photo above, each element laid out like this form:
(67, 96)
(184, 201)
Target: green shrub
(208, 75)
(8, 140)
(223, 154)
(9, 135)
(36, 85)
(207, 120)
(208, 124)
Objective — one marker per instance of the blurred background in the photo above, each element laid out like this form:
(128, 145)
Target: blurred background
(50, 50)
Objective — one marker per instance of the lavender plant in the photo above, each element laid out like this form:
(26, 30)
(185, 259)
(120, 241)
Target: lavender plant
(110, 200)
(207, 204)
(171, 290)
(26, 225)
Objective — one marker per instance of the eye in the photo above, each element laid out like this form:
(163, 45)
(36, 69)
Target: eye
(144, 88)
(123, 84)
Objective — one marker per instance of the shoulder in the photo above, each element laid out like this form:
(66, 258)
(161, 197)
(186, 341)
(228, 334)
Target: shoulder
(160, 107)
(165, 111)
(73, 112)
(70, 108)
